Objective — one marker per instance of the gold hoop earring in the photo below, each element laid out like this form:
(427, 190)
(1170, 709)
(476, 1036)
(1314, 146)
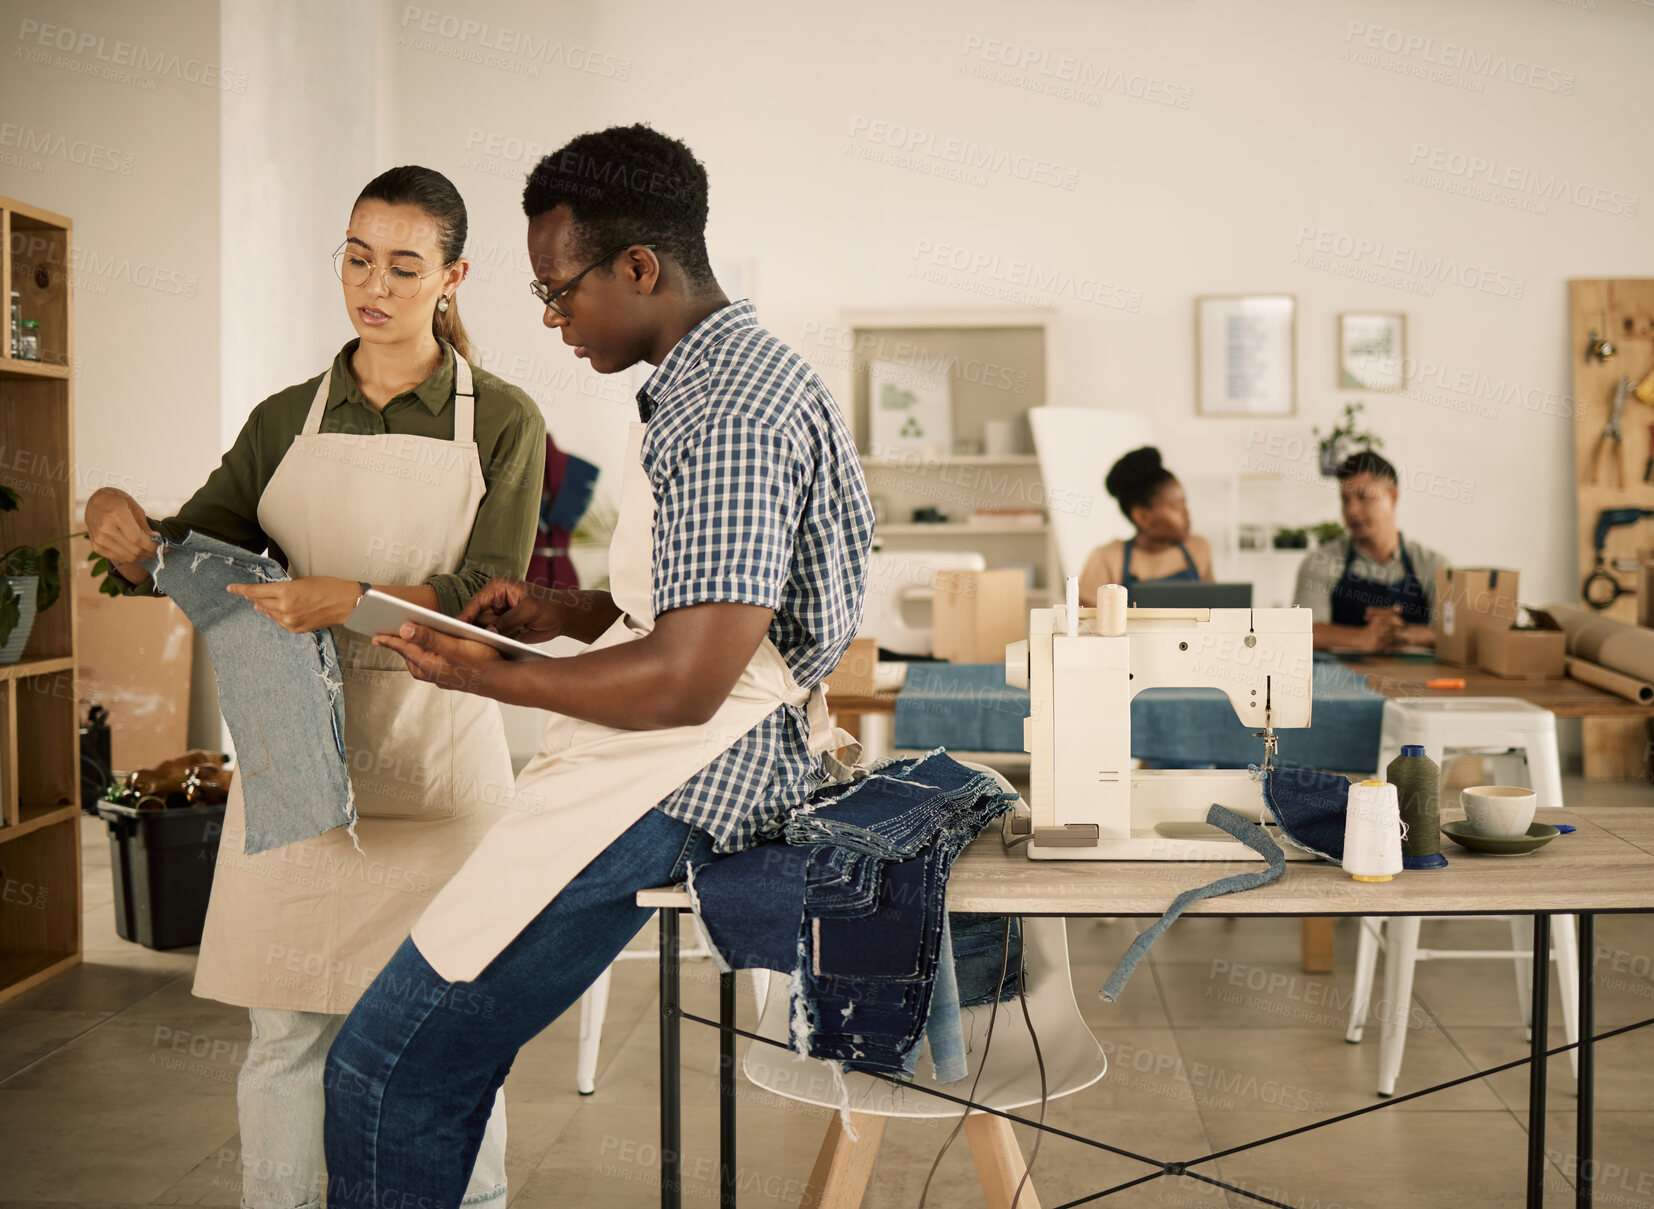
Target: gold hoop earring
(442, 304)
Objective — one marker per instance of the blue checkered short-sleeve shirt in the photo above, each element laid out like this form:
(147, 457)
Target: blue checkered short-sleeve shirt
(759, 500)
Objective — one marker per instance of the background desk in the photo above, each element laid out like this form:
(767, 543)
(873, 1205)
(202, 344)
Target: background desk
(1615, 731)
(1607, 866)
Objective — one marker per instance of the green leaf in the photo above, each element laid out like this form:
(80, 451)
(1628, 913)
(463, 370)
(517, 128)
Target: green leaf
(51, 578)
(8, 499)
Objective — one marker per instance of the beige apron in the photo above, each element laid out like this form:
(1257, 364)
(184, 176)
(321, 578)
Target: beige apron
(589, 783)
(307, 926)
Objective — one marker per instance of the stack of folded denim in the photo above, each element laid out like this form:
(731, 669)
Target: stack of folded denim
(851, 903)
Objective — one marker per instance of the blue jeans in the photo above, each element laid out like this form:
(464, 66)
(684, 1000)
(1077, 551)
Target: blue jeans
(282, 694)
(412, 1075)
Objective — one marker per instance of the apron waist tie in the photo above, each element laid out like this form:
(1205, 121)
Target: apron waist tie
(825, 738)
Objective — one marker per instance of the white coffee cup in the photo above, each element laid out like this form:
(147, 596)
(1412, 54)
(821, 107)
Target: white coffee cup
(1000, 437)
(1498, 810)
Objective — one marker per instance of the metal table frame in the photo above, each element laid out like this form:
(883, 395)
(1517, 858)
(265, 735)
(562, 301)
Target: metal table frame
(672, 1015)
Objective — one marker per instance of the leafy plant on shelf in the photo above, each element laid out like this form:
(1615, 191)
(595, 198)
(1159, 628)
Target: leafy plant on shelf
(44, 561)
(1345, 438)
(1327, 531)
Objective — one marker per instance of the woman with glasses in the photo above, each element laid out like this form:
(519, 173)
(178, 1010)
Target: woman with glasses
(404, 469)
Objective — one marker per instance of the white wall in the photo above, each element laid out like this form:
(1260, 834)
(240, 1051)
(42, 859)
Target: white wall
(133, 160)
(1285, 129)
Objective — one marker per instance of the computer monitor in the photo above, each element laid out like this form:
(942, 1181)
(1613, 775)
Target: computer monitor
(1188, 594)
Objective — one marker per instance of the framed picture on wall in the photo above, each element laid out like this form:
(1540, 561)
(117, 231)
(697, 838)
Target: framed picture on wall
(1372, 350)
(912, 410)
(1245, 355)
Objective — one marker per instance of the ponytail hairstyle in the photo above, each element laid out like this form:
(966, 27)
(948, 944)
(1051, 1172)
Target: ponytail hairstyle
(411, 185)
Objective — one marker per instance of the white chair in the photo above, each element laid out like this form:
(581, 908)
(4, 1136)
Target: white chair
(594, 1005)
(1520, 740)
(1076, 446)
(1073, 1061)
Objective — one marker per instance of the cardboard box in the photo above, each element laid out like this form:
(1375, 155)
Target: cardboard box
(1539, 654)
(853, 677)
(135, 661)
(976, 614)
(1469, 602)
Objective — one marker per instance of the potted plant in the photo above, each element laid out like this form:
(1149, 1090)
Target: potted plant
(1344, 439)
(31, 580)
(1291, 539)
(1328, 531)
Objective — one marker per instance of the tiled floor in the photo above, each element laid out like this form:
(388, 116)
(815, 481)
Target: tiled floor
(1219, 1039)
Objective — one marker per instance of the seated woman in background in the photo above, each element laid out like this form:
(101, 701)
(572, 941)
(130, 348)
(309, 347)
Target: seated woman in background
(1162, 548)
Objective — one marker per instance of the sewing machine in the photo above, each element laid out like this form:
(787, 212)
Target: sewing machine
(1087, 802)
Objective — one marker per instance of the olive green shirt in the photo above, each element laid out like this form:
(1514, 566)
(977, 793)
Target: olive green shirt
(511, 444)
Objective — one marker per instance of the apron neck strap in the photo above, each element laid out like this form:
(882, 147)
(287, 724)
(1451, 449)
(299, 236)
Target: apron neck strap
(313, 421)
(465, 403)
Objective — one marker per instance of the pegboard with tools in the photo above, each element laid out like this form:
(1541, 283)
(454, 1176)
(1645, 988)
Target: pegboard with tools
(1612, 351)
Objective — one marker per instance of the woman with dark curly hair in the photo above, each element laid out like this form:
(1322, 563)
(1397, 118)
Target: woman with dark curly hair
(1162, 547)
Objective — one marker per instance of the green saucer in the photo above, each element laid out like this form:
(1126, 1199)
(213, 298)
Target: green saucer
(1539, 834)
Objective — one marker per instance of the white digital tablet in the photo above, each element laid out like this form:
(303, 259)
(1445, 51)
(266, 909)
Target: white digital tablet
(377, 613)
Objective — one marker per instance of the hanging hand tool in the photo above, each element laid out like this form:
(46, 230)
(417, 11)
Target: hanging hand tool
(1611, 435)
(1611, 589)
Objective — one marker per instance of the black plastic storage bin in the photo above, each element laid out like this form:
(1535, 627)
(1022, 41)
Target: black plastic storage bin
(162, 864)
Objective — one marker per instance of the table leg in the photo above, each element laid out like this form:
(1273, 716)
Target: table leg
(1585, 1169)
(727, 1174)
(1536, 1064)
(671, 1091)
(1315, 944)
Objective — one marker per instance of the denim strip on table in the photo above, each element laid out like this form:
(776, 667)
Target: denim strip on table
(1310, 808)
(1248, 833)
(282, 694)
(860, 878)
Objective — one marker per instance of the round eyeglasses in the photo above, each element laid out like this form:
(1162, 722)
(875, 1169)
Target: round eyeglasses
(401, 280)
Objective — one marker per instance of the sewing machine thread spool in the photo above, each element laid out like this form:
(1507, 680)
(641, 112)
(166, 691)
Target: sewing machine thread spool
(1372, 832)
(1418, 789)
(1111, 610)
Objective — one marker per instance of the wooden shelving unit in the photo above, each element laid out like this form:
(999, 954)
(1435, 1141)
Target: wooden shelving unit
(1016, 344)
(40, 889)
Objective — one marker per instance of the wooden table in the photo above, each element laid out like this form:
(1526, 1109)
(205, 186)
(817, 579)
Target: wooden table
(1614, 729)
(1606, 867)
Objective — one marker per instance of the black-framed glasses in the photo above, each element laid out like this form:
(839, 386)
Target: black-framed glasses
(356, 271)
(549, 296)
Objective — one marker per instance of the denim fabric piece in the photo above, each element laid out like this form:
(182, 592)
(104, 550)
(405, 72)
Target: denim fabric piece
(979, 951)
(1310, 808)
(894, 810)
(281, 693)
(947, 1044)
(1197, 726)
(1248, 833)
(965, 706)
(858, 914)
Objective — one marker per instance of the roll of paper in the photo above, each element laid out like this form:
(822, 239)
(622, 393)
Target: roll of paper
(1611, 681)
(1627, 649)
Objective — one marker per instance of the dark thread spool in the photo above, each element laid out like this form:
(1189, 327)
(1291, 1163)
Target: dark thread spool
(1418, 787)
